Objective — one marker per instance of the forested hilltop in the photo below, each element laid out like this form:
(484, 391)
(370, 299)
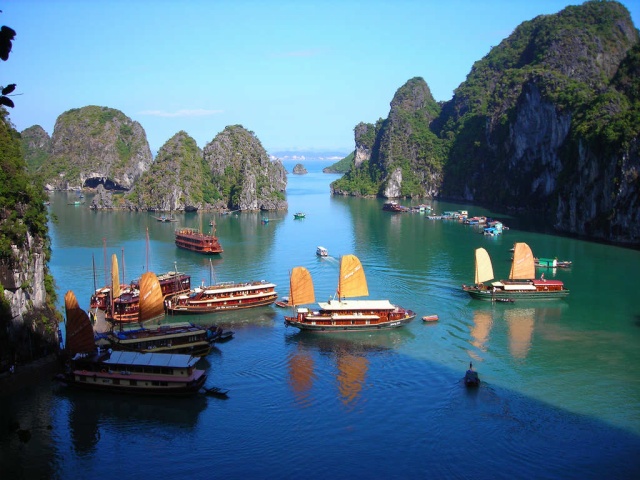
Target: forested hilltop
(233, 172)
(548, 121)
(101, 148)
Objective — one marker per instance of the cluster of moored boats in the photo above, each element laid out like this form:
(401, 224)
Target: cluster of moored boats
(161, 359)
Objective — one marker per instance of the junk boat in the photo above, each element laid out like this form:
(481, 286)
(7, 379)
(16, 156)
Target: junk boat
(339, 314)
(223, 296)
(90, 367)
(521, 285)
(195, 241)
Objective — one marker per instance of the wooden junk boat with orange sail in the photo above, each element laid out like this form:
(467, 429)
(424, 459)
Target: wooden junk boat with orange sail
(125, 306)
(152, 337)
(340, 314)
(522, 283)
(90, 367)
(198, 241)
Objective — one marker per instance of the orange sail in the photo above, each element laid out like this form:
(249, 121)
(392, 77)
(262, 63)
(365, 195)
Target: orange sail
(151, 298)
(78, 327)
(352, 281)
(523, 265)
(115, 277)
(301, 287)
(484, 268)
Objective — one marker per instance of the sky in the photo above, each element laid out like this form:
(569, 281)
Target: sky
(299, 74)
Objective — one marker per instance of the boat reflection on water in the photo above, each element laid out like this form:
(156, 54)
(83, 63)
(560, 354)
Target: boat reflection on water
(301, 375)
(233, 320)
(482, 322)
(521, 322)
(351, 377)
(90, 413)
(350, 354)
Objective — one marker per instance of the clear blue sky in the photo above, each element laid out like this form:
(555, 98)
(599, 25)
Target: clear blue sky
(300, 74)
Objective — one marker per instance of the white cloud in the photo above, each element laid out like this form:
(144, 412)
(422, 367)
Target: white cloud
(199, 112)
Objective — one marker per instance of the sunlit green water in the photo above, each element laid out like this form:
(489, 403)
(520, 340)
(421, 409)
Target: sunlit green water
(559, 396)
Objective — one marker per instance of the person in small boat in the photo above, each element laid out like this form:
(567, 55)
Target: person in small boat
(471, 377)
(470, 371)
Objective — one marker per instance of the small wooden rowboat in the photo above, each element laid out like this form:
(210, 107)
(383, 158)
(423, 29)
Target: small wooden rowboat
(430, 318)
(283, 302)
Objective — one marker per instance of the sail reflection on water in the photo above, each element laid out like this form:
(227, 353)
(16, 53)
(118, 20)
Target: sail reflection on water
(482, 322)
(352, 372)
(350, 352)
(520, 322)
(301, 375)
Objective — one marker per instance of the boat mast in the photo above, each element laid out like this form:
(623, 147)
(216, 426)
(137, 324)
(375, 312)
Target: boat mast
(93, 261)
(104, 249)
(147, 251)
(122, 265)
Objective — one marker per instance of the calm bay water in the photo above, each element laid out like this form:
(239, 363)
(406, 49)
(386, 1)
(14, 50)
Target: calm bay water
(560, 392)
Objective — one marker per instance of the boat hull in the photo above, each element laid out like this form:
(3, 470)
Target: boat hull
(329, 325)
(501, 295)
(193, 241)
(219, 307)
(101, 381)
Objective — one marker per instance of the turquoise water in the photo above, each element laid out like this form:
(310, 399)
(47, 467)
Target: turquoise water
(559, 393)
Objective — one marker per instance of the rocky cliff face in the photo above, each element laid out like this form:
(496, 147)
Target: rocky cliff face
(28, 320)
(547, 139)
(365, 137)
(23, 278)
(36, 146)
(405, 151)
(242, 174)
(547, 122)
(96, 145)
(400, 153)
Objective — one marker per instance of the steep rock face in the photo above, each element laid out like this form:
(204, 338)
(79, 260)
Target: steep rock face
(542, 124)
(399, 156)
(365, 136)
(28, 320)
(603, 199)
(242, 174)
(36, 146)
(96, 145)
(547, 122)
(176, 180)
(404, 147)
(24, 283)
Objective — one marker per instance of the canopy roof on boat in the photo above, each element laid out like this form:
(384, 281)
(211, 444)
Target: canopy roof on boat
(169, 360)
(350, 305)
(240, 286)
